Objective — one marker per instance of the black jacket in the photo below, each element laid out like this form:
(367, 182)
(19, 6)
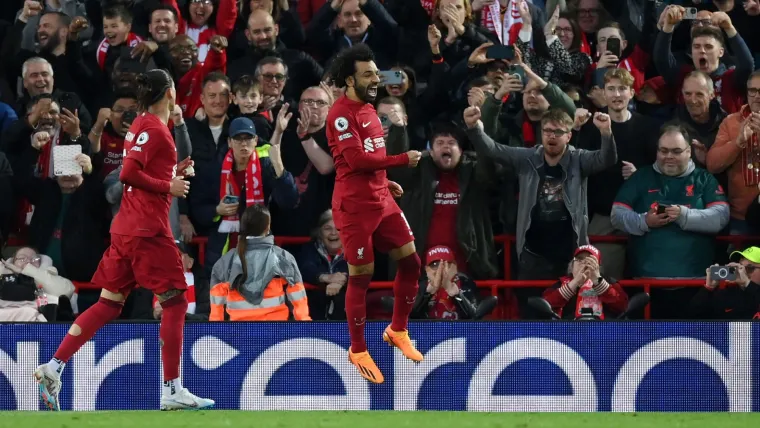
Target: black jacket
(730, 303)
(85, 226)
(382, 36)
(7, 205)
(473, 218)
(466, 301)
(303, 70)
(313, 262)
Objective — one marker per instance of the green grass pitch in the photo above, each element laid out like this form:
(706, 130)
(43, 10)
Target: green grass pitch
(384, 419)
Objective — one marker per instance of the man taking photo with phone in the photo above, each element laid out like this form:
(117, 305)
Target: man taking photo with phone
(740, 299)
(670, 209)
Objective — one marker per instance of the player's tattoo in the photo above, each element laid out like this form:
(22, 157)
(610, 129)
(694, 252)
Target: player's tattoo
(166, 295)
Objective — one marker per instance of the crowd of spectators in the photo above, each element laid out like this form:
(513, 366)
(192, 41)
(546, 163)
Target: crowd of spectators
(632, 118)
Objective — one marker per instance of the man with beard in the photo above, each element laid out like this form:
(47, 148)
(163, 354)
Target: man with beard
(53, 34)
(190, 73)
(446, 203)
(635, 139)
(552, 211)
(363, 207)
(262, 34)
(672, 212)
(306, 153)
(707, 48)
(29, 143)
(736, 152)
(34, 10)
(107, 135)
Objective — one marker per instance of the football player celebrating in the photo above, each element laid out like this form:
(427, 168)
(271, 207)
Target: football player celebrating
(363, 207)
(142, 247)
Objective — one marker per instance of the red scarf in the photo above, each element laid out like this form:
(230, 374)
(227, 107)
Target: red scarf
(529, 134)
(254, 188)
(585, 47)
(132, 41)
(586, 298)
(750, 163)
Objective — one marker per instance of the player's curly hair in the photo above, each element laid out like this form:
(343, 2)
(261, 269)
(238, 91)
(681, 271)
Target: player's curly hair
(344, 65)
(152, 86)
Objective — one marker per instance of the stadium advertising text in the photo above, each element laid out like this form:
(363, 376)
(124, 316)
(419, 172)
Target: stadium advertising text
(521, 366)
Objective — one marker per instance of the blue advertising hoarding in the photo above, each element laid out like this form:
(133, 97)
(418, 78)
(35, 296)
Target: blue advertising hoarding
(476, 366)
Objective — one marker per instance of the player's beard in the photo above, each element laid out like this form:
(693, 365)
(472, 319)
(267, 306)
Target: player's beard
(367, 93)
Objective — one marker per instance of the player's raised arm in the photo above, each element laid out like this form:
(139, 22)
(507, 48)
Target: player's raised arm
(356, 155)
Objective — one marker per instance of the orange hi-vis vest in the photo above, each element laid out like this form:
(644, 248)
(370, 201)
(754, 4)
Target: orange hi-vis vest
(271, 308)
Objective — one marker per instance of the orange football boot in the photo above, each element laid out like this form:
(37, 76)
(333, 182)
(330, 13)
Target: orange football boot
(366, 366)
(400, 339)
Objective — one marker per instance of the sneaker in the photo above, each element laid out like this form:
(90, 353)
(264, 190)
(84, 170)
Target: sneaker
(50, 385)
(185, 400)
(401, 340)
(366, 366)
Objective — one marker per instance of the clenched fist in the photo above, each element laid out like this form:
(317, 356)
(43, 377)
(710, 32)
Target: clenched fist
(472, 117)
(603, 123)
(414, 157)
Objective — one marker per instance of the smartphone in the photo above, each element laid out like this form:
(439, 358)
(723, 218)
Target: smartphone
(661, 208)
(613, 46)
(128, 117)
(230, 199)
(501, 52)
(690, 13)
(519, 72)
(723, 273)
(391, 77)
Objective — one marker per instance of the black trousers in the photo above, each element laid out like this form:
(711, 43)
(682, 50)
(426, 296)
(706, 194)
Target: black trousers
(533, 267)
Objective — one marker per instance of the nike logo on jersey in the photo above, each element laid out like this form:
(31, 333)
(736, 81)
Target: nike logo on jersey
(364, 125)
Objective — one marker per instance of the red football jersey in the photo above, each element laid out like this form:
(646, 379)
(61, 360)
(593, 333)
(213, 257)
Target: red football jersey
(356, 141)
(144, 213)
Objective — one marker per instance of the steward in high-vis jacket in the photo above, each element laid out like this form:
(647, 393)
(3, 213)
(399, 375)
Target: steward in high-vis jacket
(272, 277)
(254, 280)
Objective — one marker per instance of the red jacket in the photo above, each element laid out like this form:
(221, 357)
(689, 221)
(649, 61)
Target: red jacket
(190, 85)
(604, 298)
(226, 15)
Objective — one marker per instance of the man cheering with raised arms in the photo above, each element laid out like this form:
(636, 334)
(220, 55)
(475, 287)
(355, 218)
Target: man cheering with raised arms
(363, 207)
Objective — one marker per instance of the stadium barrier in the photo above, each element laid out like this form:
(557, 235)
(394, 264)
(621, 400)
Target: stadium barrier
(507, 283)
(562, 366)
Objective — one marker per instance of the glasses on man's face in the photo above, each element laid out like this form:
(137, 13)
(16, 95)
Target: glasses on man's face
(181, 49)
(588, 12)
(753, 92)
(274, 77)
(244, 141)
(701, 22)
(562, 30)
(749, 269)
(314, 103)
(557, 133)
(201, 1)
(666, 151)
(34, 261)
(121, 110)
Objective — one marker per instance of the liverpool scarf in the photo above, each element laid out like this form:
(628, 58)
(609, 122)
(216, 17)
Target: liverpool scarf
(254, 188)
(750, 155)
(132, 41)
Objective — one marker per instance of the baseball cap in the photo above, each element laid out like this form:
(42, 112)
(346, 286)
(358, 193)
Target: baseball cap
(752, 254)
(439, 253)
(593, 251)
(242, 125)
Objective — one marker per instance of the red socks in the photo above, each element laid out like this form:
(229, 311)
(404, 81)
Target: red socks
(356, 310)
(172, 324)
(89, 323)
(405, 289)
